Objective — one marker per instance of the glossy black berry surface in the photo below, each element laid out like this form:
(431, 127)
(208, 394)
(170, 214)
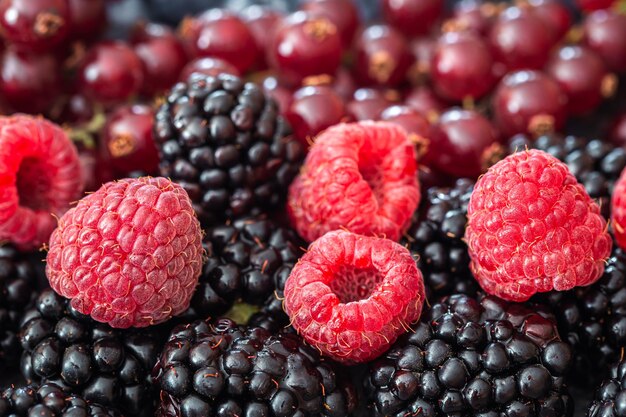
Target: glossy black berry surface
(220, 368)
(223, 140)
(473, 357)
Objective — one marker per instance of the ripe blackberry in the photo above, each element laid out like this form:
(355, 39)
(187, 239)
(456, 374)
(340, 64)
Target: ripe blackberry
(593, 320)
(224, 369)
(480, 357)
(610, 398)
(17, 282)
(596, 163)
(48, 400)
(104, 365)
(247, 259)
(436, 237)
(225, 142)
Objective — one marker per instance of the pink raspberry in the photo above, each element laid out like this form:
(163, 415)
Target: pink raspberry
(533, 228)
(358, 176)
(40, 176)
(351, 296)
(618, 210)
(129, 254)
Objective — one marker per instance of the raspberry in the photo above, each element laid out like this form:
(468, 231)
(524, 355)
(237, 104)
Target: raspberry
(351, 296)
(39, 176)
(357, 176)
(129, 254)
(618, 210)
(533, 228)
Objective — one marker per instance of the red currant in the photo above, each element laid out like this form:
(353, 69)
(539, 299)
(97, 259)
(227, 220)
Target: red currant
(218, 33)
(591, 5)
(412, 17)
(305, 46)
(529, 101)
(127, 143)
(474, 16)
(208, 66)
(617, 131)
(262, 22)
(605, 33)
(29, 82)
(410, 119)
(460, 143)
(88, 18)
(520, 40)
(423, 49)
(162, 54)
(74, 109)
(37, 25)
(344, 84)
(111, 72)
(554, 15)
(462, 66)
(369, 103)
(382, 57)
(281, 94)
(582, 75)
(425, 101)
(314, 109)
(342, 13)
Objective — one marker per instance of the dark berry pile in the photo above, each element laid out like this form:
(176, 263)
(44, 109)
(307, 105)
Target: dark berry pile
(17, 288)
(436, 239)
(595, 163)
(48, 400)
(480, 357)
(101, 364)
(226, 99)
(610, 398)
(593, 321)
(247, 260)
(224, 140)
(221, 368)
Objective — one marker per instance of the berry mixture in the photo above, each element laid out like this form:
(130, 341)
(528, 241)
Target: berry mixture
(339, 208)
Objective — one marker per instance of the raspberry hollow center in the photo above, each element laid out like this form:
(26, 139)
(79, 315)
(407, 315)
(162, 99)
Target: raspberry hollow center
(355, 284)
(33, 184)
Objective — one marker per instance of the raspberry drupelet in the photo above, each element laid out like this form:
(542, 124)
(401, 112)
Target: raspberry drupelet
(351, 296)
(533, 228)
(39, 177)
(358, 176)
(129, 254)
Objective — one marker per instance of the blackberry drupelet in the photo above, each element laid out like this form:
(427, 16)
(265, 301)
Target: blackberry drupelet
(223, 369)
(436, 236)
(596, 164)
(17, 284)
(48, 400)
(225, 142)
(593, 321)
(246, 260)
(473, 357)
(610, 397)
(104, 365)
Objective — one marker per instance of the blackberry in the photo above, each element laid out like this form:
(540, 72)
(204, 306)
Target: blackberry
(246, 259)
(473, 357)
(17, 284)
(436, 236)
(225, 142)
(104, 365)
(596, 164)
(221, 369)
(610, 398)
(48, 400)
(593, 320)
